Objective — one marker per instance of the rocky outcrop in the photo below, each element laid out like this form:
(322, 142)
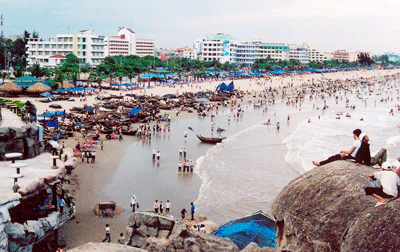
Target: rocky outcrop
(24, 140)
(326, 209)
(105, 247)
(154, 232)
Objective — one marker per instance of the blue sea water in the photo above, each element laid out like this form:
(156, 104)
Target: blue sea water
(245, 172)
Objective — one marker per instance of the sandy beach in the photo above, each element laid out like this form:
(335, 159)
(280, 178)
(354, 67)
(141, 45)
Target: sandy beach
(86, 227)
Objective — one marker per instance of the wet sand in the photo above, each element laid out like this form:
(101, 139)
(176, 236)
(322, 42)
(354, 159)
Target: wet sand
(93, 178)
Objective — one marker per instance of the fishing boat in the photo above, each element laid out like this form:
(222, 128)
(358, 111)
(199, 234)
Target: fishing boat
(129, 132)
(212, 140)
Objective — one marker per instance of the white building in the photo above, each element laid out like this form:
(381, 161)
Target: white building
(317, 55)
(86, 45)
(126, 43)
(186, 52)
(299, 53)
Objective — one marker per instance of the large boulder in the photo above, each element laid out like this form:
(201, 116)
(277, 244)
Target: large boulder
(154, 232)
(326, 209)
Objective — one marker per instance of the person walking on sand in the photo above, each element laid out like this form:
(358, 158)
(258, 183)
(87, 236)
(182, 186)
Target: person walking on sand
(192, 210)
(184, 152)
(134, 203)
(154, 154)
(101, 145)
(158, 155)
(108, 235)
(180, 151)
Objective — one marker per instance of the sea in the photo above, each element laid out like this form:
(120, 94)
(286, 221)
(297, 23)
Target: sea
(246, 172)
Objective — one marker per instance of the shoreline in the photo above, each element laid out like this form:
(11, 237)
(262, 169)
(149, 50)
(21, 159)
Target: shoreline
(94, 177)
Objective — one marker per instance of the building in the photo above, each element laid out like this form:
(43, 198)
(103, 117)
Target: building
(188, 53)
(317, 55)
(342, 55)
(165, 53)
(86, 45)
(392, 57)
(224, 48)
(126, 43)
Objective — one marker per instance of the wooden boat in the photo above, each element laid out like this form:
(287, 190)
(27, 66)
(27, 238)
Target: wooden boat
(212, 140)
(105, 130)
(129, 132)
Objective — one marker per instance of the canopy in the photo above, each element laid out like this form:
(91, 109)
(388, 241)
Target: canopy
(26, 81)
(134, 111)
(257, 227)
(38, 88)
(10, 87)
(60, 90)
(65, 85)
(77, 89)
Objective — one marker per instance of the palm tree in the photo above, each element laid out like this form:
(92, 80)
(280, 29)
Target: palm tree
(3, 76)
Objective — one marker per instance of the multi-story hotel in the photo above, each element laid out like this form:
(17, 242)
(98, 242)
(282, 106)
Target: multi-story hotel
(224, 48)
(126, 43)
(342, 55)
(86, 45)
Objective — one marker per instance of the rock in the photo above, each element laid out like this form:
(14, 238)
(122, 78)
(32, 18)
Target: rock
(154, 232)
(326, 209)
(15, 231)
(252, 247)
(105, 247)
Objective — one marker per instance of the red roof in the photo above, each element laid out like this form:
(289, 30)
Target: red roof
(163, 57)
(58, 56)
(130, 30)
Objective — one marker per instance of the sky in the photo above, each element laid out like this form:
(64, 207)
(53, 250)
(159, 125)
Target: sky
(367, 25)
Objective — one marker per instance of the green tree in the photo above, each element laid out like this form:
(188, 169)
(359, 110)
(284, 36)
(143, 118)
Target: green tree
(37, 71)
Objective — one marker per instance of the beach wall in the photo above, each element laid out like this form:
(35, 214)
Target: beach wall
(23, 140)
(326, 209)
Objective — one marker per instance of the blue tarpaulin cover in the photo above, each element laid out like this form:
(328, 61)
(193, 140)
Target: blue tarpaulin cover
(134, 111)
(257, 227)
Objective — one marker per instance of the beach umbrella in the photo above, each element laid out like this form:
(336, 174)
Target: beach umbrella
(38, 88)
(46, 94)
(90, 89)
(201, 100)
(77, 89)
(10, 87)
(60, 90)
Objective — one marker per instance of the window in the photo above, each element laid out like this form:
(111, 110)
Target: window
(83, 40)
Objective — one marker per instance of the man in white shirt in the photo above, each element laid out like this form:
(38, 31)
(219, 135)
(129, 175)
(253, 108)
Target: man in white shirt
(133, 203)
(344, 154)
(390, 184)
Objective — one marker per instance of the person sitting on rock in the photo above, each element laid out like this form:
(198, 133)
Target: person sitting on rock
(363, 155)
(390, 184)
(344, 154)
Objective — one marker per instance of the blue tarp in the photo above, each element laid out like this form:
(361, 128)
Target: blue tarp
(49, 123)
(201, 100)
(78, 89)
(46, 94)
(257, 227)
(134, 111)
(53, 113)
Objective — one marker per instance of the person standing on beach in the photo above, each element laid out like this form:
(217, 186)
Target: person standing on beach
(192, 210)
(154, 154)
(101, 145)
(161, 207)
(156, 206)
(183, 213)
(167, 207)
(158, 155)
(180, 151)
(108, 235)
(133, 203)
(184, 152)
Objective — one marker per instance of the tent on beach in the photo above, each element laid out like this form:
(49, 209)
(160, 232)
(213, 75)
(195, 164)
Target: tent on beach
(257, 227)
